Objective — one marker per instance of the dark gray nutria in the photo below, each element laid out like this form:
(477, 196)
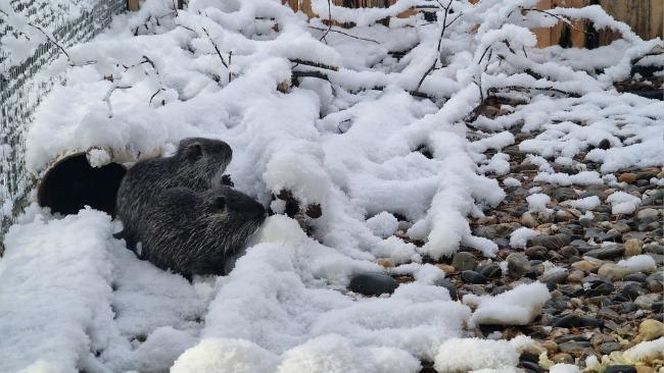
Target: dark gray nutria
(199, 233)
(198, 164)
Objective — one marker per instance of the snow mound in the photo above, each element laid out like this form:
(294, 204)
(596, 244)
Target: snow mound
(480, 355)
(54, 287)
(518, 306)
(623, 203)
(519, 238)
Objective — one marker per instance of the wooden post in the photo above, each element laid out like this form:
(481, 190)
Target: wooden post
(132, 5)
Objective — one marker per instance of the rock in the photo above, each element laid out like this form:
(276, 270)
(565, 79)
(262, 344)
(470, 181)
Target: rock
(464, 261)
(570, 321)
(447, 284)
(575, 347)
(385, 262)
(627, 177)
(562, 216)
(562, 193)
(627, 307)
(658, 307)
(582, 246)
(553, 277)
(645, 369)
(554, 242)
(517, 264)
(536, 252)
(604, 144)
(654, 248)
(612, 271)
(586, 221)
(632, 291)
(655, 282)
(645, 302)
(530, 366)
(576, 276)
(608, 347)
(529, 220)
(472, 277)
(372, 283)
(491, 270)
(649, 329)
(607, 252)
(636, 277)
(586, 265)
(633, 247)
(446, 268)
(598, 287)
(562, 358)
(569, 251)
(647, 215)
(620, 369)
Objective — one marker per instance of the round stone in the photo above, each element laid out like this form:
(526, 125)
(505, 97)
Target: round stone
(447, 284)
(472, 277)
(517, 264)
(372, 283)
(633, 247)
(464, 261)
(620, 369)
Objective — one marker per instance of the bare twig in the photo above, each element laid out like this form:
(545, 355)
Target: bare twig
(314, 64)
(230, 59)
(329, 22)
(155, 94)
(216, 48)
(543, 89)
(440, 40)
(107, 97)
(344, 33)
(46, 34)
(563, 19)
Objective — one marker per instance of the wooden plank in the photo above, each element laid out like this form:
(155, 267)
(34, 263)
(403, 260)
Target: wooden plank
(656, 28)
(645, 17)
(132, 5)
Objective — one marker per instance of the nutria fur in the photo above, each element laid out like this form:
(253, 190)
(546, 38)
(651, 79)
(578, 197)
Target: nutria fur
(199, 233)
(197, 164)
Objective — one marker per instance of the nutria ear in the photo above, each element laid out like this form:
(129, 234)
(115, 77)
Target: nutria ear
(193, 151)
(219, 203)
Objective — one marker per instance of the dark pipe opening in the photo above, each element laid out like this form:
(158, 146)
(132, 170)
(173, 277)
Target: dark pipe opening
(72, 184)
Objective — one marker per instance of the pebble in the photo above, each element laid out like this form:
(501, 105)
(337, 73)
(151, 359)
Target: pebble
(633, 247)
(645, 302)
(529, 220)
(536, 252)
(627, 177)
(576, 276)
(582, 246)
(647, 215)
(654, 248)
(649, 329)
(598, 287)
(372, 283)
(463, 261)
(385, 262)
(446, 268)
(632, 291)
(637, 277)
(607, 252)
(517, 264)
(586, 265)
(608, 347)
(563, 358)
(554, 277)
(491, 270)
(575, 347)
(655, 282)
(553, 242)
(447, 284)
(573, 320)
(473, 277)
(612, 271)
(620, 369)
(569, 251)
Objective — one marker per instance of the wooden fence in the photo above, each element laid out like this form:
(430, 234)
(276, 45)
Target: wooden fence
(645, 17)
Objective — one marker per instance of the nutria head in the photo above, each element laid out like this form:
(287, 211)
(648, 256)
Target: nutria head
(201, 158)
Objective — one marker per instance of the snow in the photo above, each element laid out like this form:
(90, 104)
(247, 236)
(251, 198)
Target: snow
(358, 144)
(639, 263)
(588, 203)
(564, 368)
(644, 351)
(623, 203)
(519, 238)
(518, 306)
(537, 203)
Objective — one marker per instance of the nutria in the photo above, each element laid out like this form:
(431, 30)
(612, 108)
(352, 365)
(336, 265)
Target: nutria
(198, 164)
(199, 233)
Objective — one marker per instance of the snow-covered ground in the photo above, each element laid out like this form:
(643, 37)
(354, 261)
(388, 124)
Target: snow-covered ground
(357, 139)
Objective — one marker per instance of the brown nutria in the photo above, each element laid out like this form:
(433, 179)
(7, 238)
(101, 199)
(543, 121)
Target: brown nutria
(198, 164)
(199, 233)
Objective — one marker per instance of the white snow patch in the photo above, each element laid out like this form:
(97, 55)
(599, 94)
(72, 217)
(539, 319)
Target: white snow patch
(519, 238)
(639, 263)
(623, 203)
(588, 203)
(518, 306)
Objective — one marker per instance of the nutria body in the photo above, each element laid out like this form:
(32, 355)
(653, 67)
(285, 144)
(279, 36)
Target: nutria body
(199, 233)
(198, 164)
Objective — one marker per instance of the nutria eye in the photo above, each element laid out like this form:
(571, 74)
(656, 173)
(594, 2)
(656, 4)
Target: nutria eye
(194, 151)
(219, 203)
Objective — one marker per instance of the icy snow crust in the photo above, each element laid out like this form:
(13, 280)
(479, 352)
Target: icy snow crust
(364, 155)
